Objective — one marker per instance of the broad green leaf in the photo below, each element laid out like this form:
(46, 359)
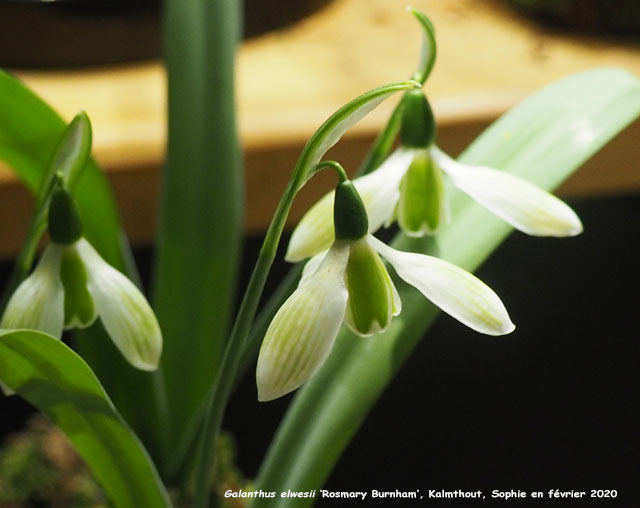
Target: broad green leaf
(30, 131)
(60, 384)
(543, 139)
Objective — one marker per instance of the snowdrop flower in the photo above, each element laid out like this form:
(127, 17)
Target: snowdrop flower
(72, 285)
(409, 187)
(349, 283)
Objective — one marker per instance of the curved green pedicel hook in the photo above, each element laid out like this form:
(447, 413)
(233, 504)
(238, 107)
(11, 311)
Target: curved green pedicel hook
(428, 56)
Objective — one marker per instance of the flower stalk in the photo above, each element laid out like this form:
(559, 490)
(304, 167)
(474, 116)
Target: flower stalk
(324, 138)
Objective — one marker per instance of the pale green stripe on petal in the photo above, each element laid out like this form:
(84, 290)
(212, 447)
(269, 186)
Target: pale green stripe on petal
(303, 331)
(314, 232)
(518, 202)
(38, 303)
(379, 191)
(456, 291)
(125, 312)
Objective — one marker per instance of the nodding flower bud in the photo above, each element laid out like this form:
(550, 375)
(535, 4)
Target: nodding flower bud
(65, 226)
(349, 214)
(418, 128)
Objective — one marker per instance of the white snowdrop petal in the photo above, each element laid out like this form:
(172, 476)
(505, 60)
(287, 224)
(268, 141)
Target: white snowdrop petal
(125, 312)
(302, 333)
(311, 266)
(380, 189)
(314, 232)
(38, 303)
(518, 202)
(456, 291)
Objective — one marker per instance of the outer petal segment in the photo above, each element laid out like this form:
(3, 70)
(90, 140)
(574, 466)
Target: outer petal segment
(303, 331)
(38, 303)
(454, 290)
(125, 312)
(379, 191)
(521, 204)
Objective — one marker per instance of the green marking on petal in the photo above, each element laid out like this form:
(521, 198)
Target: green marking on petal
(371, 296)
(79, 309)
(421, 208)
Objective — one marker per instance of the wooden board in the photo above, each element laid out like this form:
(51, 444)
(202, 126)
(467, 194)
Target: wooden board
(289, 81)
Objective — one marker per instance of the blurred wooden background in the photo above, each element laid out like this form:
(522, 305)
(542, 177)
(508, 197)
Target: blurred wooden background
(291, 80)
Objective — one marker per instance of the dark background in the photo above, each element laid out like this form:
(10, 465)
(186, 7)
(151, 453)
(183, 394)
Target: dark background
(552, 406)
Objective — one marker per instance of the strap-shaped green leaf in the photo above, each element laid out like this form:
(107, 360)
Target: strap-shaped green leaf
(544, 139)
(59, 383)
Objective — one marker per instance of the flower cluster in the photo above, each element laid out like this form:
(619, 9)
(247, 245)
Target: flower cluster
(345, 279)
(408, 187)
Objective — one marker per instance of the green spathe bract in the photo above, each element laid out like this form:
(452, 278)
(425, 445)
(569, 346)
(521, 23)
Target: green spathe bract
(546, 142)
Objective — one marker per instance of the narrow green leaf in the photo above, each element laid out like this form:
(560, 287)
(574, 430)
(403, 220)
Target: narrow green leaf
(58, 382)
(200, 227)
(30, 132)
(543, 139)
